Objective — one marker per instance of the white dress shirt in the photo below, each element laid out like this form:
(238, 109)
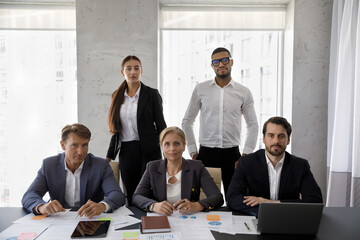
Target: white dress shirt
(72, 187)
(128, 117)
(220, 119)
(274, 177)
(173, 191)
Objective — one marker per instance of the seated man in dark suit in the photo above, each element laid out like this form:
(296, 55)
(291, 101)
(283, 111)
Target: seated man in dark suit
(272, 175)
(74, 179)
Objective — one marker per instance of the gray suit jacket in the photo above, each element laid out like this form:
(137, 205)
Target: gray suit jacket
(96, 180)
(152, 187)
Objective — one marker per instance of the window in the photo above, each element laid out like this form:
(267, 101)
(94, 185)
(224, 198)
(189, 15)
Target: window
(188, 37)
(38, 91)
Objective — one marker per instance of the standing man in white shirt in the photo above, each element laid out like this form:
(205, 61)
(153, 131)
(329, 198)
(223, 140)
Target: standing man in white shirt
(222, 102)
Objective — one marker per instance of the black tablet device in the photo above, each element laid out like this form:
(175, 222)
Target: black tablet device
(91, 229)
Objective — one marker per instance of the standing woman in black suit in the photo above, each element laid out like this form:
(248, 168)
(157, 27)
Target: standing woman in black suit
(135, 119)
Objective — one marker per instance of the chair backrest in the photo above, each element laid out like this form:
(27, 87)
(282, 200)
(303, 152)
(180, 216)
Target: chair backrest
(115, 167)
(215, 174)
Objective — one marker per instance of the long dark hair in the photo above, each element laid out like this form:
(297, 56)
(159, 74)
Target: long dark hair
(118, 99)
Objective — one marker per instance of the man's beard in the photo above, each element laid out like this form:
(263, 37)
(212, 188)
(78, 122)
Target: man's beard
(275, 153)
(225, 75)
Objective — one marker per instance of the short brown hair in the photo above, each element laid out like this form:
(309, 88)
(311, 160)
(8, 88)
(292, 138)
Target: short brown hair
(168, 130)
(278, 121)
(77, 128)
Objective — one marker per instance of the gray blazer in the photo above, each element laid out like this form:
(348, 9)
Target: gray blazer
(152, 187)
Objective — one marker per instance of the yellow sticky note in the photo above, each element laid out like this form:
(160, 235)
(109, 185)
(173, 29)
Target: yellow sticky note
(132, 235)
(105, 219)
(211, 217)
(39, 217)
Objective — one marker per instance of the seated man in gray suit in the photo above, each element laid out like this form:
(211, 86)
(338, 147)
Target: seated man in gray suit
(272, 175)
(74, 179)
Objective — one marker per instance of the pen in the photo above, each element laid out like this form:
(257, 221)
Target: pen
(84, 204)
(40, 233)
(247, 226)
(179, 204)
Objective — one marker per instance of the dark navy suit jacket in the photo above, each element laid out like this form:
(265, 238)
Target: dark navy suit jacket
(251, 178)
(96, 180)
(152, 187)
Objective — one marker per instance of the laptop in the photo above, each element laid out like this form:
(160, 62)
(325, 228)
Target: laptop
(289, 218)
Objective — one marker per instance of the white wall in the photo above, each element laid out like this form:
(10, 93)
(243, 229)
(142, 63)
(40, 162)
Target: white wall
(312, 30)
(108, 31)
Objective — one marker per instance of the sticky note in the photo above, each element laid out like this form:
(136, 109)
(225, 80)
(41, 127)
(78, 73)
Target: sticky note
(105, 219)
(39, 217)
(25, 236)
(130, 235)
(210, 217)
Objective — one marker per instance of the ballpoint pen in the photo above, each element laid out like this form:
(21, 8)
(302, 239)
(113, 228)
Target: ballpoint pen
(84, 204)
(247, 226)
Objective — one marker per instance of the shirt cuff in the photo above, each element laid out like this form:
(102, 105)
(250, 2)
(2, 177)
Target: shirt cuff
(36, 209)
(192, 149)
(247, 150)
(108, 207)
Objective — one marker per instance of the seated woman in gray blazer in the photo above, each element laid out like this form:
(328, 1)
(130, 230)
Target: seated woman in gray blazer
(173, 184)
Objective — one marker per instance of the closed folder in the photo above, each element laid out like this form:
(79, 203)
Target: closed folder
(154, 224)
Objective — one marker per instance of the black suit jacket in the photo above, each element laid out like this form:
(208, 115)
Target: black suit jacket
(152, 187)
(251, 178)
(150, 121)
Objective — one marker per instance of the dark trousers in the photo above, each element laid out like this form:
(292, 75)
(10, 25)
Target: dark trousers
(132, 164)
(223, 158)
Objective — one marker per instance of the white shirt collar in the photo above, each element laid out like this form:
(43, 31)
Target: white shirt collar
(231, 83)
(136, 94)
(80, 167)
(280, 163)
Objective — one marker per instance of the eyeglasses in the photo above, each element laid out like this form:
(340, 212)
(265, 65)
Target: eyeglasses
(225, 61)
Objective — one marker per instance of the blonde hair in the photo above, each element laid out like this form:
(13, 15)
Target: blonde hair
(168, 130)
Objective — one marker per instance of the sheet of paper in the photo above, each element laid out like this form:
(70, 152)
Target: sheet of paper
(71, 217)
(58, 232)
(162, 236)
(24, 231)
(242, 225)
(198, 234)
(122, 211)
(124, 234)
(124, 222)
(200, 219)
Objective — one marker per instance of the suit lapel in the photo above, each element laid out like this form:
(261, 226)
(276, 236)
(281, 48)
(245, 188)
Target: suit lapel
(264, 173)
(186, 180)
(61, 179)
(160, 178)
(143, 98)
(284, 174)
(84, 179)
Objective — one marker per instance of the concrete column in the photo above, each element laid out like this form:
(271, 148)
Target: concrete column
(312, 29)
(108, 31)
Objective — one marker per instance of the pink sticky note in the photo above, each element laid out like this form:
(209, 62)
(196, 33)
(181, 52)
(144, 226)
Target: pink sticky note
(25, 236)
